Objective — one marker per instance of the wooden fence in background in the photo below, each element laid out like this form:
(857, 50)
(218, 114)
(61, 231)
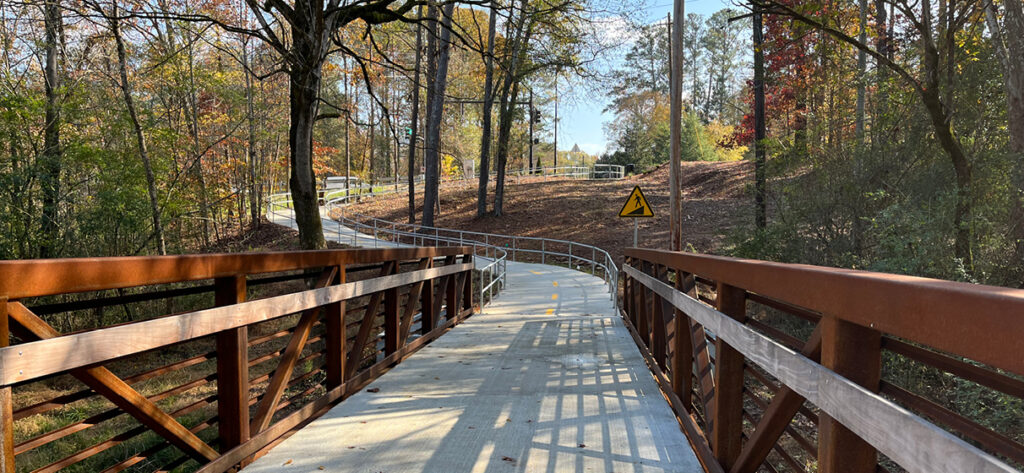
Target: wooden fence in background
(264, 343)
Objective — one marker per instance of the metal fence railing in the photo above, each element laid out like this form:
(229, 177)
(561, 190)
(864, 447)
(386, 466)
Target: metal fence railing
(580, 256)
(496, 249)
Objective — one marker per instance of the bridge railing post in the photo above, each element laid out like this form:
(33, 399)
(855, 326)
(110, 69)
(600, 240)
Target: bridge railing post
(727, 417)
(428, 317)
(682, 347)
(467, 289)
(335, 338)
(232, 368)
(6, 402)
(391, 323)
(854, 352)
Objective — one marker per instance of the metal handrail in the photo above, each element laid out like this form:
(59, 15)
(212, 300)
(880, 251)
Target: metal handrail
(493, 276)
(593, 172)
(599, 258)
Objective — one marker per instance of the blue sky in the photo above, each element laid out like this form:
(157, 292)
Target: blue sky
(582, 122)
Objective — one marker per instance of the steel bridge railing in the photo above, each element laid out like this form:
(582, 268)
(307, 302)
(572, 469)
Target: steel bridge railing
(519, 248)
(599, 172)
(493, 276)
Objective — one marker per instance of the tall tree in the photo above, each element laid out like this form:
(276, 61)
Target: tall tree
(485, 139)
(51, 157)
(125, 85)
(414, 120)
(930, 86)
(1008, 38)
(315, 31)
(435, 111)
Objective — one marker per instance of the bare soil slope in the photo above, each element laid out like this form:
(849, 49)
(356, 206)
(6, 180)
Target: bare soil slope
(715, 200)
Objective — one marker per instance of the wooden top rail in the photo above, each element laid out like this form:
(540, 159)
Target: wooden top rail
(34, 360)
(984, 323)
(45, 277)
(221, 382)
(909, 440)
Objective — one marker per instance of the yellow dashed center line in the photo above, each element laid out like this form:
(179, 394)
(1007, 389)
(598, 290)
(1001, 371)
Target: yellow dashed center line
(554, 297)
(555, 283)
(550, 311)
(538, 273)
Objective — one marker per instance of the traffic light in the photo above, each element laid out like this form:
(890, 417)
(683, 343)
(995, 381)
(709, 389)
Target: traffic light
(536, 116)
(408, 132)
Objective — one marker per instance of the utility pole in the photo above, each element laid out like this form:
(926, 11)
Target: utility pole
(760, 217)
(532, 119)
(675, 114)
(556, 120)
(348, 118)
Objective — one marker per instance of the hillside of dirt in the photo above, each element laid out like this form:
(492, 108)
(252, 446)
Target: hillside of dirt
(715, 200)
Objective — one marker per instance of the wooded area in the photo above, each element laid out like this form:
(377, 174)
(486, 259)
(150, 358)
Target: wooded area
(894, 136)
(160, 127)
(894, 129)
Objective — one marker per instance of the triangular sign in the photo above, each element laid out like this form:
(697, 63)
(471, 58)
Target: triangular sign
(636, 205)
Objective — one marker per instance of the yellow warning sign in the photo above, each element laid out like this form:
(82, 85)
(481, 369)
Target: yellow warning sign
(636, 205)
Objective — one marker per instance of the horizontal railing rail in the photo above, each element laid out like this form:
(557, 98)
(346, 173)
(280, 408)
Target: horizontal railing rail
(779, 357)
(493, 275)
(254, 362)
(510, 247)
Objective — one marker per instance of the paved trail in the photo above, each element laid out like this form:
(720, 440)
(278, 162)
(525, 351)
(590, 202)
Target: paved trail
(545, 379)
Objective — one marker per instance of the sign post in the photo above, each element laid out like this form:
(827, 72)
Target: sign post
(636, 206)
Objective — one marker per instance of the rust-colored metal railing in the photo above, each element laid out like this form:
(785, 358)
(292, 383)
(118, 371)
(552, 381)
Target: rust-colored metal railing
(204, 361)
(781, 367)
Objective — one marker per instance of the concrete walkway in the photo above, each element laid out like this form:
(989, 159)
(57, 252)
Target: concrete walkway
(547, 379)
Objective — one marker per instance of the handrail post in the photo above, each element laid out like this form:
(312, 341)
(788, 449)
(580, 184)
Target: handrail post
(451, 307)
(232, 368)
(428, 318)
(854, 352)
(727, 423)
(335, 338)
(682, 347)
(6, 402)
(467, 289)
(391, 323)
(658, 326)
(543, 251)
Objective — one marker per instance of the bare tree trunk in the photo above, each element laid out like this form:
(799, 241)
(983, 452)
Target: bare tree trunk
(304, 89)
(254, 202)
(51, 162)
(862, 63)
(485, 137)
(509, 96)
(435, 111)
(414, 121)
(760, 171)
(941, 115)
(507, 105)
(197, 151)
(140, 136)
(1009, 46)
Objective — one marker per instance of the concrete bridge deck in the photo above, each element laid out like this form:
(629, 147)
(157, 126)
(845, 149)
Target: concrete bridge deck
(545, 379)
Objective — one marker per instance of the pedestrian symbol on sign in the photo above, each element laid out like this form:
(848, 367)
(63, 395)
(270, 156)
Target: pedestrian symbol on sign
(636, 205)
